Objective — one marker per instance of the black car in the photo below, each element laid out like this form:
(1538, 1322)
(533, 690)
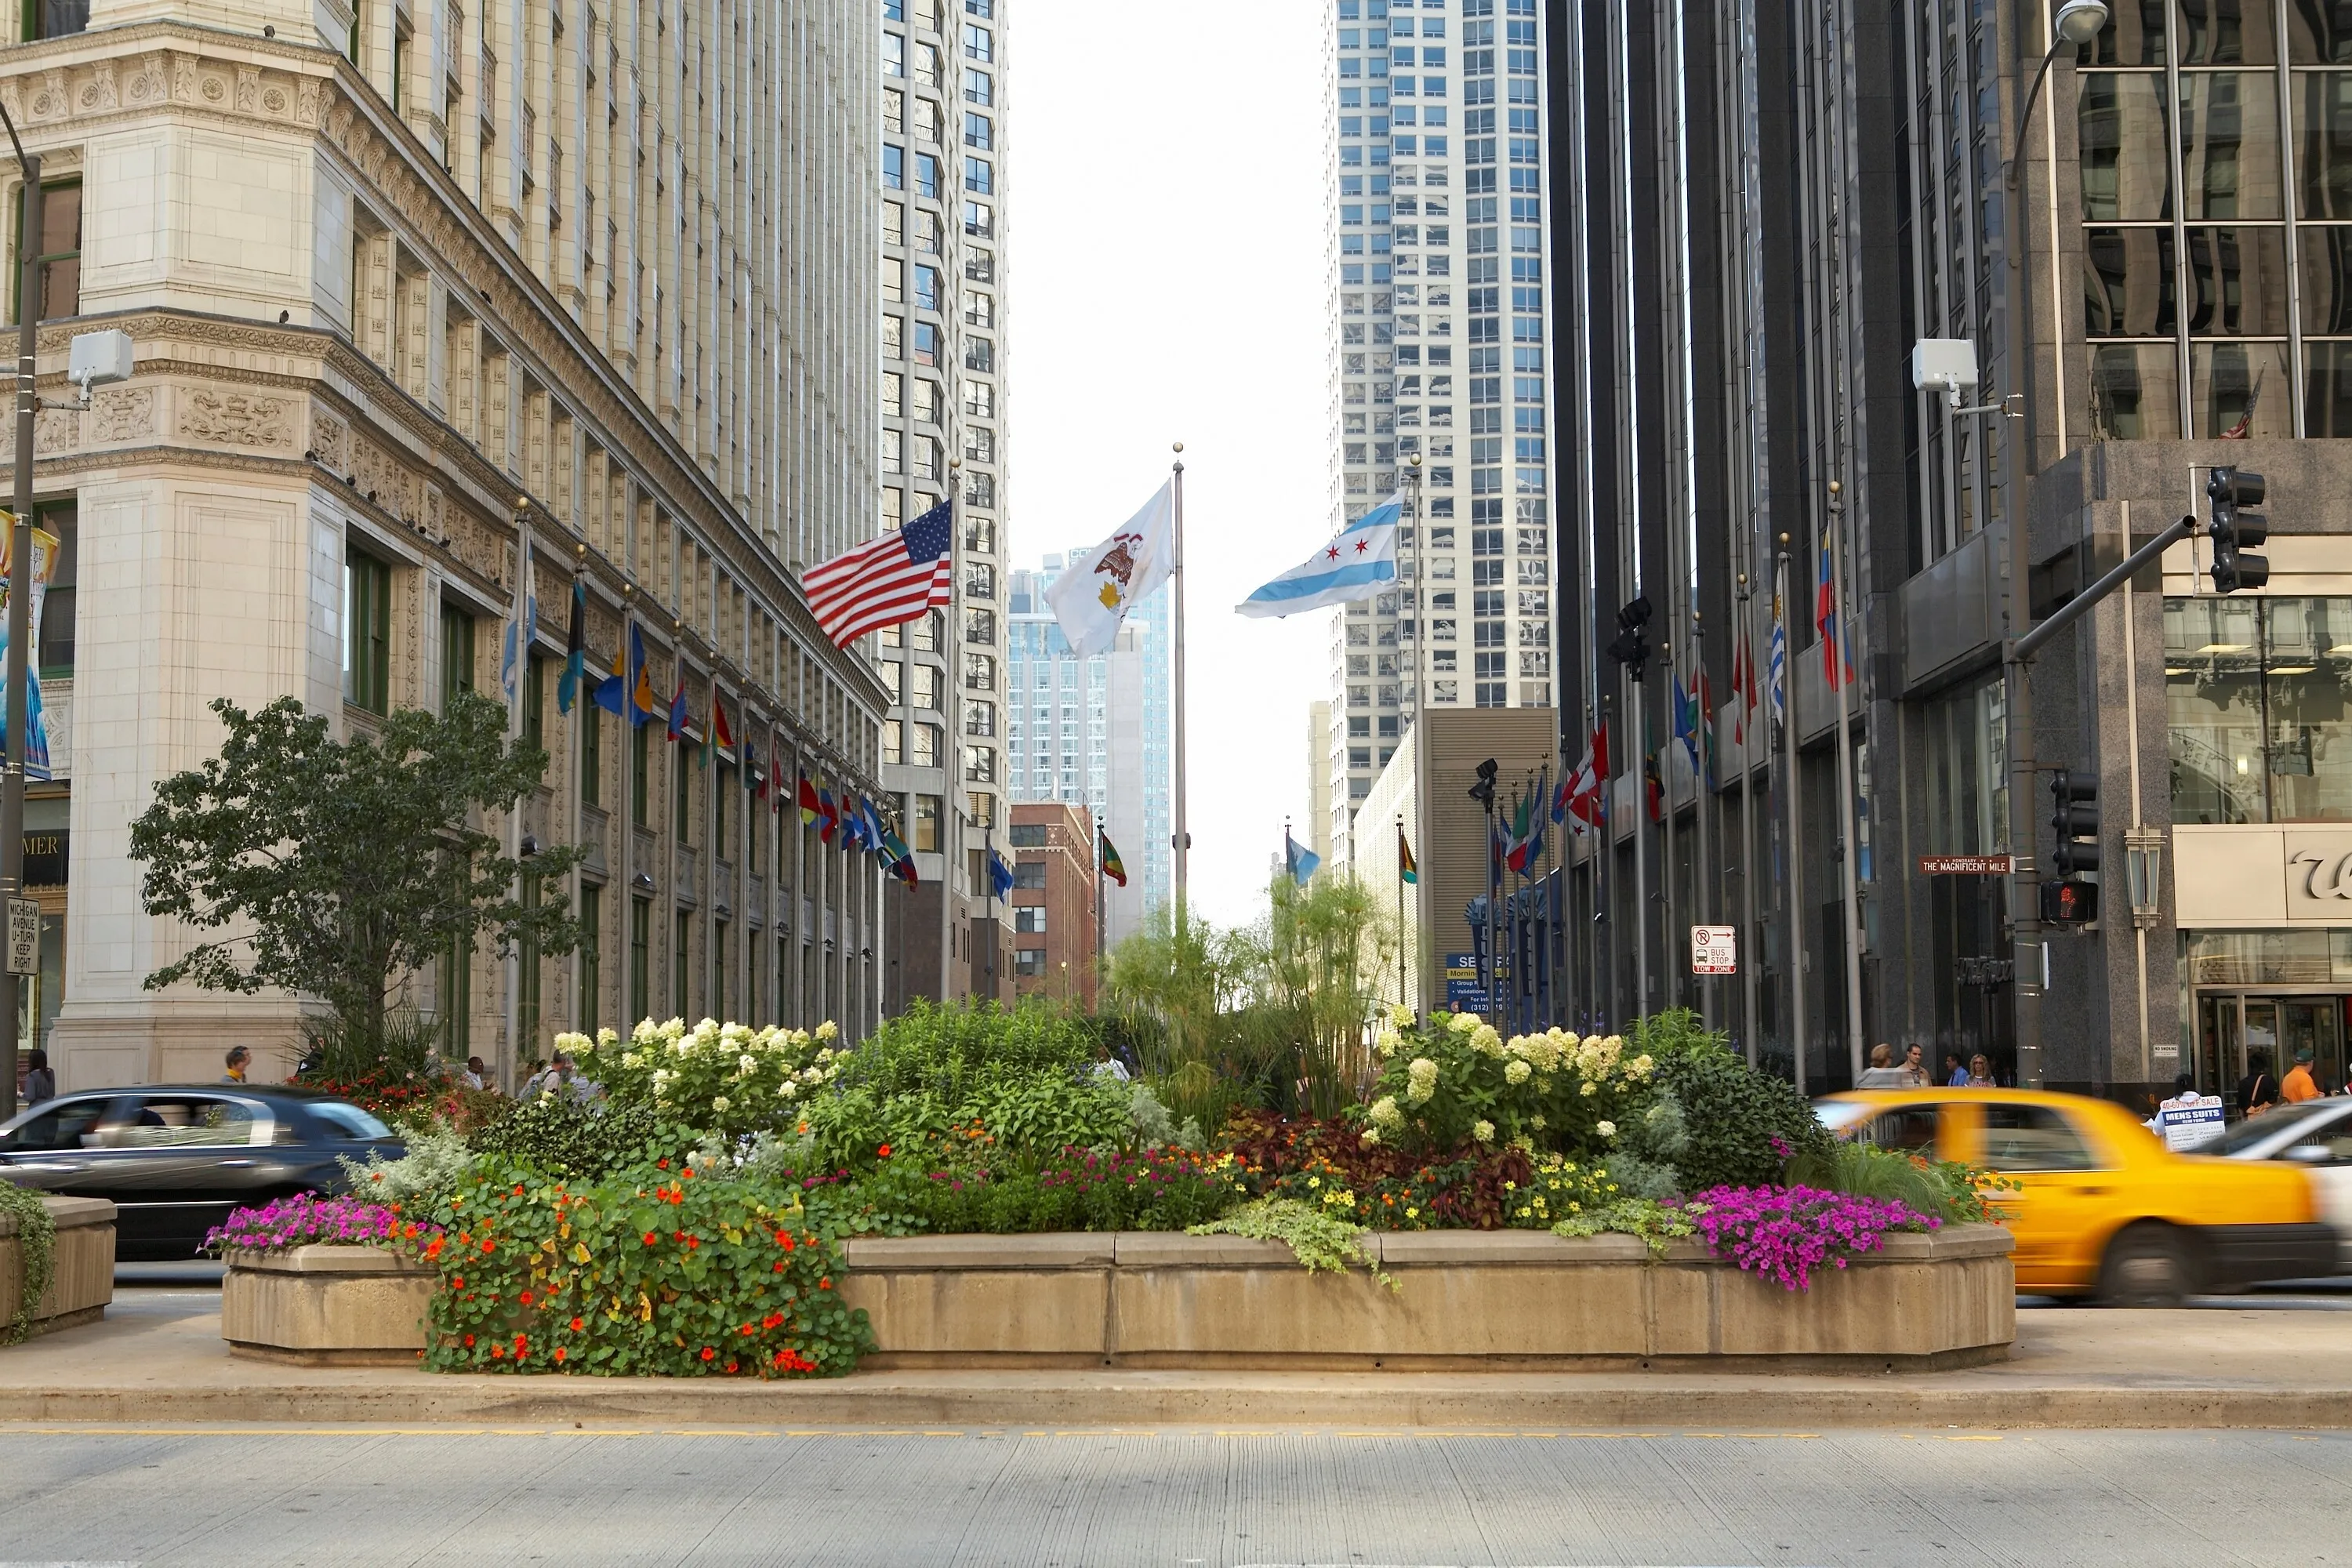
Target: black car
(175, 1159)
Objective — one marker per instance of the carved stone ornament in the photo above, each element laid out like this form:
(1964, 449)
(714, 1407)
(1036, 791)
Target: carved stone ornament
(329, 436)
(123, 414)
(238, 419)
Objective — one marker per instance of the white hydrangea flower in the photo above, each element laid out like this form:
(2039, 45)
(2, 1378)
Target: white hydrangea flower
(1400, 1017)
(1385, 1112)
(1606, 1129)
(747, 1064)
(1462, 1023)
(1537, 1122)
(1483, 1131)
(1371, 1136)
(1588, 1087)
(1487, 1040)
(827, 1030)
(1516, 1072)
(791, 1091)
(719, 1103)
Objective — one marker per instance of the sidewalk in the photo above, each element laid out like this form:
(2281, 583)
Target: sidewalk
(158, 1359)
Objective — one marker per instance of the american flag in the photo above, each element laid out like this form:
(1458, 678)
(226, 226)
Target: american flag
(884, 580)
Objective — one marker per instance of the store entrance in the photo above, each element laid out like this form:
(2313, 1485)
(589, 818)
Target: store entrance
(2235, 1029)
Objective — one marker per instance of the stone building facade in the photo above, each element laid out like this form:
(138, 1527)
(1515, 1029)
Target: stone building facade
(434, 308)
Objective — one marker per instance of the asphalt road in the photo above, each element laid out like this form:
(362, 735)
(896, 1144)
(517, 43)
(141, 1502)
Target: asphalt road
(1182, 1498)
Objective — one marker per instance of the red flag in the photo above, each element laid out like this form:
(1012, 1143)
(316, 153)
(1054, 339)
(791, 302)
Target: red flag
(1743, 688)
(808, 803)
(1583, 787)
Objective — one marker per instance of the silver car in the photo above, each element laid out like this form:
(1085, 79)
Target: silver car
(2316, 1134)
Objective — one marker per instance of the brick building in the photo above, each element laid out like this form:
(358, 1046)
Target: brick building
(1055, 912)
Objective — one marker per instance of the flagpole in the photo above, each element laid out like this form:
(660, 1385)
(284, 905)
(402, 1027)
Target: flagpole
(1183, 842)
(1851, 852)
(1399, 876)
(1795, 867)
(1640, 837)
(586, 1017)
(511, 1005)
(1704, 870)
(1748, 823)
(1670, 868)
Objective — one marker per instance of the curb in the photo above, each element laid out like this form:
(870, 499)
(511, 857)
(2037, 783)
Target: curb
(1105, 1400)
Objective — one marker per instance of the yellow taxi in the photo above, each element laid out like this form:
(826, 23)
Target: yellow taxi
(2103, 1207)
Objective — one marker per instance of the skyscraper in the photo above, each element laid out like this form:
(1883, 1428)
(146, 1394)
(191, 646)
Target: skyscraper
(943, 419)
(1439, 347)
(1097, 732)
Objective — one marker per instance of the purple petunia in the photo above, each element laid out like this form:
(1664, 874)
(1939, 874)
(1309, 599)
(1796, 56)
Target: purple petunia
(307, 1219)
(1788, 1232)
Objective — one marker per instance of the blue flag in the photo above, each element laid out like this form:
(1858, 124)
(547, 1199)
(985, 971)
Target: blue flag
(1356, 565)
(1297, 859)
(1000, 875)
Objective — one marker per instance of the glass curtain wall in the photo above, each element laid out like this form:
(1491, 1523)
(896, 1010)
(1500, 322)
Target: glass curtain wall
(2255, 692)
(2214, 306)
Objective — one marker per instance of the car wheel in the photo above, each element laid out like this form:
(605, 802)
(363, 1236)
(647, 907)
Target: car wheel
(2146, 1266)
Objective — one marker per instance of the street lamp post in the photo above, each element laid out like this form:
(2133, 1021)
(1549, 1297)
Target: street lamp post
(2076, 23)
(20, 578)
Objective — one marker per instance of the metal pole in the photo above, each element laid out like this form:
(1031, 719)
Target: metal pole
(1747, 966)
(1704, 904)
(1848, 831)
(1184, 844)
(1672, 971)
(1400, 827)
(20, 587)
(1640, 837)
(1796, 863)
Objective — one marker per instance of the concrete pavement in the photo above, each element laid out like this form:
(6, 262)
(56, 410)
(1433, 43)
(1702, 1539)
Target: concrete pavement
(158, 1357)
(975, 1499)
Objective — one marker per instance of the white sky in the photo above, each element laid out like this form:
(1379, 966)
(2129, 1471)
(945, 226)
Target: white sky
(1165, 275)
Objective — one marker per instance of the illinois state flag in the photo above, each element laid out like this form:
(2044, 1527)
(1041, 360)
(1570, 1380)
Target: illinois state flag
(1091, 595)
(1358, 565)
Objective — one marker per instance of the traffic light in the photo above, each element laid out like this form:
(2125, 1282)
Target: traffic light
(2070, 903)
(2235, 531)
(2073, 816)
(1630, 648)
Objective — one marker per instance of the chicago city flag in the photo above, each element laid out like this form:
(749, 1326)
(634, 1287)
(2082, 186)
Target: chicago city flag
(1356, 565)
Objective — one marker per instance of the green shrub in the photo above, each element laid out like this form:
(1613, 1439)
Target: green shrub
(653, 1271)
(559, 1137)
(1947, 1190)
(1460, 1082)
(1321, 1241)
(727, 1078)
(935, 1188)
(435, 1165)
(1742, 1125)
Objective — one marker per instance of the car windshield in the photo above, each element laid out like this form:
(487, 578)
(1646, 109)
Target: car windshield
(1840, 1115)
(2255, 1129)
(347, 1121)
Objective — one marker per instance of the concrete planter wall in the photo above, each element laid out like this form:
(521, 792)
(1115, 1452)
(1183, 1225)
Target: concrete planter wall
(326, 1305)
(1470, 1300)
(82, 1282)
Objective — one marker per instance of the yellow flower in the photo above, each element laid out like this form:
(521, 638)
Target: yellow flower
(1313, 1181)
(1412, 1213)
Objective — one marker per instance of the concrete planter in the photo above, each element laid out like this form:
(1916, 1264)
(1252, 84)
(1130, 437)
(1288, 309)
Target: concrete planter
(1471, 1300)
(82, 1283)
(318, 1306)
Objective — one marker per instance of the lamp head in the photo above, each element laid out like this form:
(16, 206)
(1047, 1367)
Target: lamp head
(2080, 21)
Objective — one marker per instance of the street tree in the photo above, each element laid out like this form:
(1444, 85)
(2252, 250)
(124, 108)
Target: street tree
(334, 869)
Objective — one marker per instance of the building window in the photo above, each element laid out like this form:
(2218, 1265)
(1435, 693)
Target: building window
(534, 702)
(367, 632)
(57, 264)
(2255, 701)
(591, 918)
(1029, 918)
(592, 751)
(641, 990)
(640, 775)
(1029, 961)
(681, 798)
(681, 950)
(457, 653)
(1027, 836)
(528, 1000)
(55, 18)
(929, 809)
(454, 998)
(60, 521)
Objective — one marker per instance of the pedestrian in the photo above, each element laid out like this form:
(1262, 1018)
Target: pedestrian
(475, 1076)
(1914, 1064)
(2300, 1085)
(2258, 1091)
(40, 1082)
(1883, 1073)
(237, 1060)
(1956, 1072)
(1107, 1068)
(1981, 1072)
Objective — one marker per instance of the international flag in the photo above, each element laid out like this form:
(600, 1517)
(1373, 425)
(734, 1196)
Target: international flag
(888, 580)
(678, 717)
(827, 817)
(849, 828)
(1298, 860)
(1112, 865)
(902, 863)
(575, 650)
(1582, 789)
(1686, 719)
(1743, 687)
(1837, 662)
(1000, 875)
(1654, 788)
(1776, 657)
(1358, 565)
(722, 739)
(1408, 868)
(755, 783)
(629, 691)
(1527, 834)
(519, 631)
(808, 803)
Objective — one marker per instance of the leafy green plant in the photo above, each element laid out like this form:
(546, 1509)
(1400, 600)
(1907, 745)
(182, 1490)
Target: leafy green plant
(1319, 1240)
(1742, 1125)
(559, 1136)
(1655, 1223)
(653, 1271)
(36, 1256)
(1947, 1190)
(336, 866)
(435, 1164)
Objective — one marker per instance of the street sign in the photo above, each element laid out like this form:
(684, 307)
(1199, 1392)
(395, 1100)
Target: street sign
(1715, 950)
(1964, 866)
(2190, 1120)
(23, 937)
